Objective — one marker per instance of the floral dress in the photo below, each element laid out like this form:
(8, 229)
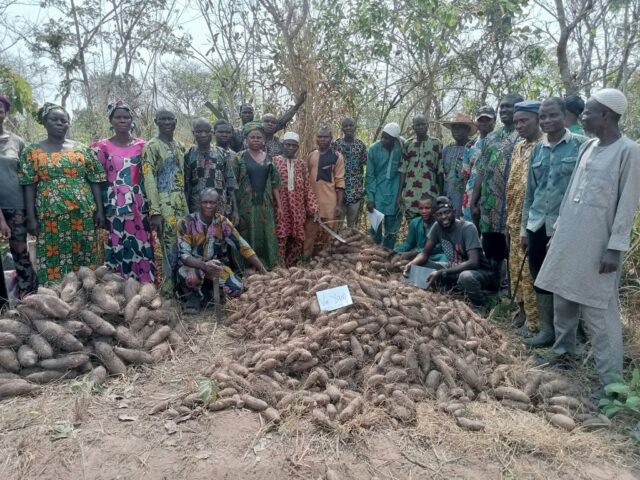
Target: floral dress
(129, 250)
(254, 198)
(64, 207)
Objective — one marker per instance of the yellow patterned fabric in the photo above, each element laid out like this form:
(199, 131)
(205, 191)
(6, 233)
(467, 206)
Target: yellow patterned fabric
(516, 188)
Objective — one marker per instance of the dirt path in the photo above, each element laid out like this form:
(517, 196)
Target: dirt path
(110, 435)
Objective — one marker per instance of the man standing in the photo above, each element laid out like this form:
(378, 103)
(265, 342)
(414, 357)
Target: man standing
(354, 152)
(247, 115)
(593, 230)
(462, 129)
(223, 132)
(485, 122)
(383, 183)
(575, 106)
(326, 176)
(163, 171)
(466, 267)
(272, 144)
(525, 119)
(297, 201)
(552, 162)
(210, 166)
(421, 169)
(491, 183)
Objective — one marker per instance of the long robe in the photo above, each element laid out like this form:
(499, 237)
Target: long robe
(596, 214)
(298, 202)
(516, 187)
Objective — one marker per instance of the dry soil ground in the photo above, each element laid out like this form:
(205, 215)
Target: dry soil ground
(67, 434)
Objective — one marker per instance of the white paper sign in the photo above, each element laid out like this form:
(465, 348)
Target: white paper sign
(334, 298)
(375, 219)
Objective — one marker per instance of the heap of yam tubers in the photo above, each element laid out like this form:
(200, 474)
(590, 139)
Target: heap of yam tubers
(394, 347)
(93, 323)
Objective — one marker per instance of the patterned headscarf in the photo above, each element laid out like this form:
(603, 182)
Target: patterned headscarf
(6, 102)
(46, 109)
(251, 126)
(119, 103)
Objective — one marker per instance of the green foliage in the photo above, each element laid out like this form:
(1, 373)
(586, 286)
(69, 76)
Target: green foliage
(17, 89)
(207, 390)
(623, 398)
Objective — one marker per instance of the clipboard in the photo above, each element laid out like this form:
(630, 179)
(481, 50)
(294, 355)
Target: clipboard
(418, 276)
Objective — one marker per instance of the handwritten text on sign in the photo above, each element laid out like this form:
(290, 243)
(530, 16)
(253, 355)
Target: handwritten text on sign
(334, 298)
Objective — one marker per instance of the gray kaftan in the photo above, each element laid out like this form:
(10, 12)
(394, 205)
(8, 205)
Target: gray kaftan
(596, 214)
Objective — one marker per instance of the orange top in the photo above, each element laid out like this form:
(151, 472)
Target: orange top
(325, 189)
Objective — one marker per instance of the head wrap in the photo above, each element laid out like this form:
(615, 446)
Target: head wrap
(6, 102)
(461, 119)
(392, 129)
(531, 106)
(486, 111)
(44, 111)
(251, 126)
(611, 98)
(574, 104)
(292, 136)
(113, 106)
(443, 202)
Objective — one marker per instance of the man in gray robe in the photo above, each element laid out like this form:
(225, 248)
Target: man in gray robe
(593, 230)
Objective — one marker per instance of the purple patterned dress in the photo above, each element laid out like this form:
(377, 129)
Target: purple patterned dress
(129, 250)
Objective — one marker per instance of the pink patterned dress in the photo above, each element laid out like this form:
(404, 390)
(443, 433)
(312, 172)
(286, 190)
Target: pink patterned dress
(129, 249)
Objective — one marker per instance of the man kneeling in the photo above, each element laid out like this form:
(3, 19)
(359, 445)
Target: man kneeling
(466, 269)
(206, 244)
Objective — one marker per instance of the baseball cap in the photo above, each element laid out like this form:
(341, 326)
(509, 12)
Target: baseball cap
(486, 111)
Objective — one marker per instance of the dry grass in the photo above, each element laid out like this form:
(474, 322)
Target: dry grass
(514, 444)
(511, 435)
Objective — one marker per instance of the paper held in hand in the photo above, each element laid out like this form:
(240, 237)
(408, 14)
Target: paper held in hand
(334, 298)
(375, 219)
(418, 276)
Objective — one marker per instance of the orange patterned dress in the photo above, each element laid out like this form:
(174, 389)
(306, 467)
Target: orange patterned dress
(64, 208)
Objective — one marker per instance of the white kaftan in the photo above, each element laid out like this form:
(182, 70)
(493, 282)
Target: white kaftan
(596, 214)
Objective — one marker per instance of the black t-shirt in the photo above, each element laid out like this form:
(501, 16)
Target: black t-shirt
(457, 241)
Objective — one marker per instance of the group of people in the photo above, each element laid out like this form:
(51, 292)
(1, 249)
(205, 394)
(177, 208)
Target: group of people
(535, 194)
(557, 205)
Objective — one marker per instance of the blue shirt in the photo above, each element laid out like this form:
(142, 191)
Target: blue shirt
(383, 178)
(550, 170)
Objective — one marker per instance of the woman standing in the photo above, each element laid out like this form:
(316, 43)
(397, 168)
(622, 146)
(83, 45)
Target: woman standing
(129, 251)
(257, 195)
(12, 203)
(62, 198)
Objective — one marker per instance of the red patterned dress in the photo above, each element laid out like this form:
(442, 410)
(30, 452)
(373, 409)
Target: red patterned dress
(297, 202)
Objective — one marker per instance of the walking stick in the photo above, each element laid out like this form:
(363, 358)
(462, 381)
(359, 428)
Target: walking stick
(217, 310)
(515, 288)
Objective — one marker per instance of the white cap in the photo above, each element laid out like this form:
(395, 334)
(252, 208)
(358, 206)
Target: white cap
(293, 136)
(612, 98)
(392, 129)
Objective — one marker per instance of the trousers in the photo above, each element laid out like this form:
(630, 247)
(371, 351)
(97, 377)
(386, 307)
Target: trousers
(604, 326)
(471, 283)
(537, 252)
(351, 213)
(390, 224)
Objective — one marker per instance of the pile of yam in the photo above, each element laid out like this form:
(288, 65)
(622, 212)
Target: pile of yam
(362, 255)
(370, 363)
(93, 323)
